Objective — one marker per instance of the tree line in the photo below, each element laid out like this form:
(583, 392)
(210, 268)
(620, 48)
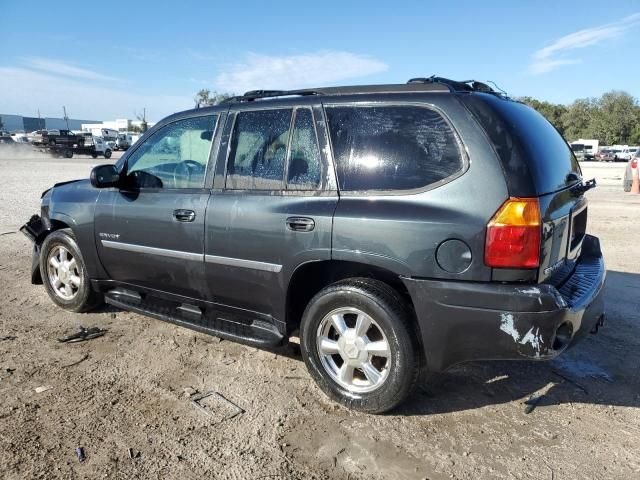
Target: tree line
(613, 118)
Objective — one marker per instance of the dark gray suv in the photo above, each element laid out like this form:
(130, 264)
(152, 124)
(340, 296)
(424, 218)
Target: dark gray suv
(392, 228)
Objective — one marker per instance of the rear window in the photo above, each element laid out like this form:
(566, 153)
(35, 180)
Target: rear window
(391, 147)
(535, 157)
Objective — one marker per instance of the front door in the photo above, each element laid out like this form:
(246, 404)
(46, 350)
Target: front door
(150, 232)
(271, 209)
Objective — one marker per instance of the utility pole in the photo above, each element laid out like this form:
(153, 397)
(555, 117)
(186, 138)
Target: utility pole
(66, 119)
(40, 124)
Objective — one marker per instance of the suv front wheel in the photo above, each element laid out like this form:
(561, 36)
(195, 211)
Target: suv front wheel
(64, 273)
(358, 343)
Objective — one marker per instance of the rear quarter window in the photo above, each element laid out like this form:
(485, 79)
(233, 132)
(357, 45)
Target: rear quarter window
(535, 157)
(392, 147)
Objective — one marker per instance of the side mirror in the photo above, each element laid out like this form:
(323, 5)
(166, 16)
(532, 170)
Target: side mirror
(104, 176)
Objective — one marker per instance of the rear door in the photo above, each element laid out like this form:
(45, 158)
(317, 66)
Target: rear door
(150, 232)
(272, 206)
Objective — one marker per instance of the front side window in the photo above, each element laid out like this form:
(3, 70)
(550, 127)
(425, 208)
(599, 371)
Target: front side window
(175, 156)
(258, 150)
(391, 147)
(304, 159)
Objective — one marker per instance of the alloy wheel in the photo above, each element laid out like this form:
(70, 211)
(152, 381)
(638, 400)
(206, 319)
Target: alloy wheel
(64, 273)
(353, 349)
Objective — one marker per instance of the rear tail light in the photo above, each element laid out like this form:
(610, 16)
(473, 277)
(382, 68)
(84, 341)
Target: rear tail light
(513, 235)
(634, 163)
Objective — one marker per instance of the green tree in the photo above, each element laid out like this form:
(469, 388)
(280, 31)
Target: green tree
(578, 119)
(205, 97)
(616, 119)
(634, 138)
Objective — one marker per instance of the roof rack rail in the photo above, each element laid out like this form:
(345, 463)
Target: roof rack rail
(252, 95)
(459, 85)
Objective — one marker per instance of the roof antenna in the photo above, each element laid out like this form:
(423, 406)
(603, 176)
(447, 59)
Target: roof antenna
(495, 85)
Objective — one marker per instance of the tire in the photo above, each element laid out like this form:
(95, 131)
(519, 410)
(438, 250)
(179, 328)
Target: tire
(94, 155)
(627, 186)
(107, 153)
(391, 329)
(74, 292)
(68, 153)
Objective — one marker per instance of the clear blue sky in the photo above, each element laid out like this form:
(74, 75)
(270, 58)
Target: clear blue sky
(108, 59)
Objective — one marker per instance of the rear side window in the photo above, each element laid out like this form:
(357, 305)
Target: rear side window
(258, 150)
(535, 157)
(392, 147)
(304, 158)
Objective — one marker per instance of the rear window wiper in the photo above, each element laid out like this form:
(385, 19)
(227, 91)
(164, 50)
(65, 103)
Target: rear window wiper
(579, 189)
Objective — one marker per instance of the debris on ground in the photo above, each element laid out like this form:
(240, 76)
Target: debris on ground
(216, 405)
(83, 335)
(189, 391)
(86, 356)
(8, 337)
(133, 454)
(43, 388)
(80, 454)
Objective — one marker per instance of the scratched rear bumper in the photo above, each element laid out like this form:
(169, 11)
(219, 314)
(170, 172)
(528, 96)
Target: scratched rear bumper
(464, 321)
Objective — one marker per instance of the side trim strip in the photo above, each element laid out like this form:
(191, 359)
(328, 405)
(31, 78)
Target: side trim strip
(239, 262)
(130, 247)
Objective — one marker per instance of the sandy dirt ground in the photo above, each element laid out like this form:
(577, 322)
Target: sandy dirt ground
(130, 389)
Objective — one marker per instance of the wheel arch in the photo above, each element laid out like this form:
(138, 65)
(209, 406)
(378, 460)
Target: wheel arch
(311, 277)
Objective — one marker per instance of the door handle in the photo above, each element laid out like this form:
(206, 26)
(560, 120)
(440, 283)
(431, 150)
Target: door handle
(184, 215)
(301, 224)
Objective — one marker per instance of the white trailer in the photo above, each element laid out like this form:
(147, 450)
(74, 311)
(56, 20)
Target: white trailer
(585, 148)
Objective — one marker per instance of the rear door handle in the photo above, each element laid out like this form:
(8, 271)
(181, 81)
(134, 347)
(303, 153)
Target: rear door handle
(301, 224)
(184, 215)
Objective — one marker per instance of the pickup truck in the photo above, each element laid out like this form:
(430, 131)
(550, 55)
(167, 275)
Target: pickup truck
(56, 138)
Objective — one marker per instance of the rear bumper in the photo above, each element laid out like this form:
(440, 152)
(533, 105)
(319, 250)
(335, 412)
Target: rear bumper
(464, 321)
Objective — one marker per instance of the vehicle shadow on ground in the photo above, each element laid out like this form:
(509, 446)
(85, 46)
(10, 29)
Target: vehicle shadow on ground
(602, 369)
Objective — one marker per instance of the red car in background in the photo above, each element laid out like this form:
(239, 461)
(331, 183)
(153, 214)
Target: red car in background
(606, 156)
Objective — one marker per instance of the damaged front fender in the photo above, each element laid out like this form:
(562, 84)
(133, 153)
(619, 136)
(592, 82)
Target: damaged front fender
(35, 230)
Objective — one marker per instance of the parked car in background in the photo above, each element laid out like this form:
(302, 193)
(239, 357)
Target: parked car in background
(9, 145)
(95, 146)
(56, 137)
(585, 149)
(605, 155)
(122, 142)
(20, 137)
(348, 217)
(623, 152)
(628, 172)
(578, 150)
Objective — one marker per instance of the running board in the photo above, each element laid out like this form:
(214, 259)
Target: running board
(256, 332)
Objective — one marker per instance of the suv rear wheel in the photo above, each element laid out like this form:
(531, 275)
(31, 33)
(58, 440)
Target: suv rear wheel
(64, 273)
(358, 343)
